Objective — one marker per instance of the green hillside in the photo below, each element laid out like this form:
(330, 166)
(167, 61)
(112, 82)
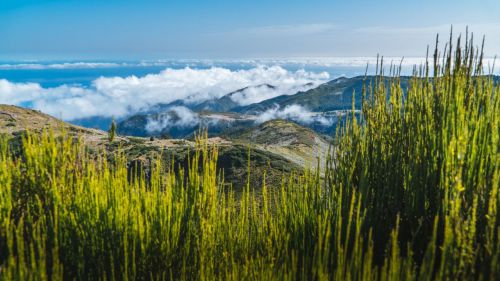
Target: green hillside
(334, 95)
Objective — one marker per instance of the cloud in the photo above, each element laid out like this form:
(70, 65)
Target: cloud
(64, 101)
(207, 63)
(18, 93)
(259, 93)
(332, 62)
(295, 113)
(123, 96)
(176, 117)
(302, 81)
(292, 62)
(65, 65)
(97, 65)
(181, 117)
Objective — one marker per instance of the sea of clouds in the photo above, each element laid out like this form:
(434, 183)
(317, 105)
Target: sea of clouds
(123, 96)
(329, 62)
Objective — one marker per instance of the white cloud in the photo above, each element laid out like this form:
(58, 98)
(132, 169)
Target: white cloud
(97, 65)
(65, 65)
(258, 94)
(178, 116)
(302, 81)
(295, 113)
(119, 97)
(182, 117)
(294, 62)
(332, 62)
(16, 93)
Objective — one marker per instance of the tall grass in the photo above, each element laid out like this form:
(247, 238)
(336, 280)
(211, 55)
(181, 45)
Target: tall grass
(410, 193)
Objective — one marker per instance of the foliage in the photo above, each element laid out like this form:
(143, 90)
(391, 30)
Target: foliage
(112, 131)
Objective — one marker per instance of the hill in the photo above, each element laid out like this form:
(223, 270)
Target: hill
(140, 152)
(298, 144)
(16, 120)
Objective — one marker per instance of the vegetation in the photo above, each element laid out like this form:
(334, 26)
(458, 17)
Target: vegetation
(410, 193)
(112, 131)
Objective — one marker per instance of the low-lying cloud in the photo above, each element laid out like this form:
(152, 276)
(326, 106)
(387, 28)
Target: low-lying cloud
(176, 117)
(264, 92)
(295, 113)
(180, 117)
(123, 96)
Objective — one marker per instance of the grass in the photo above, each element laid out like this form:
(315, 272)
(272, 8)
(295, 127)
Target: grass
(410, 193)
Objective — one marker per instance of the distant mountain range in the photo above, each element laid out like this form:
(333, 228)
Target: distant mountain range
(320, 109)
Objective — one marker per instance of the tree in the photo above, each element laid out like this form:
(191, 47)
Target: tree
(112, 131)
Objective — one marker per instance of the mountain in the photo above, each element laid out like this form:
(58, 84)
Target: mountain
(177, 123)
(329, 101)
(223, 104)
(324, 106)
(224, 115)
(331, 96)
(95, 122)
(227, 103)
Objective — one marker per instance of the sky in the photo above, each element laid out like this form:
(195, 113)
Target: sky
(147, 29)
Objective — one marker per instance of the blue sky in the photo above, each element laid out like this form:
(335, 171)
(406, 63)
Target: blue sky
(149, 29)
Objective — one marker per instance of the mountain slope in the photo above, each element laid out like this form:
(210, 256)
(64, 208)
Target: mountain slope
(331, 96)
(227, 102)
(223, 104)
(327, 102)
(16, 120)
(296, 143)
(179, 124)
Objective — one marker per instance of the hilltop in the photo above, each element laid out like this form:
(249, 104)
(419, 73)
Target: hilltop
(16, 120)
(298, 144)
